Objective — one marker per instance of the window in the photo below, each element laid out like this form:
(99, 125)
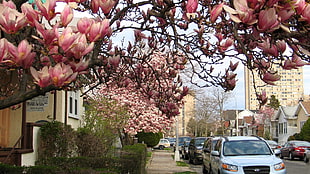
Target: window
(302, 124)
(285, 127)
(73, 104)
(280, 128)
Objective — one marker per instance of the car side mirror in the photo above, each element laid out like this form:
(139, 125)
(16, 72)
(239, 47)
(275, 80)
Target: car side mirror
(215, 153)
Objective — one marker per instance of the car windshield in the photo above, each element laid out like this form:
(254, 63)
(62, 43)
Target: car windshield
(248, 147)
(302, 143)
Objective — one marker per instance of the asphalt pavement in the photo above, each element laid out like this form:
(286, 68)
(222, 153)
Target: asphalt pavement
(162, 162)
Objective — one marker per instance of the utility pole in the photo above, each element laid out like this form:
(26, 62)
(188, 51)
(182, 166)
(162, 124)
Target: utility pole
(237, 123)
(176, 153)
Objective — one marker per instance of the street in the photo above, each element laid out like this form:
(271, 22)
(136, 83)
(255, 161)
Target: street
(292, 167)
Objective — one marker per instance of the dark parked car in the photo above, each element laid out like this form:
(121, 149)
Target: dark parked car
(195, 150)
(180, 142)
(294, 149)
(184, 150)
(208, 146)
(171, 140)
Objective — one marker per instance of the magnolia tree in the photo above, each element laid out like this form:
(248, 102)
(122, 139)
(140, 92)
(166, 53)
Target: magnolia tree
(148, 109)
(41, 52)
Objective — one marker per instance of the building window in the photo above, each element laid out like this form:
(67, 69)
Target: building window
(280, 128)
(285, 127)
(73, 103)
(302, 124)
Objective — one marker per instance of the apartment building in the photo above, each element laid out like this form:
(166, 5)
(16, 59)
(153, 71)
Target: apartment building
(288, 90)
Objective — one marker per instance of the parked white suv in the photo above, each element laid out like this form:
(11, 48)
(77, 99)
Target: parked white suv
(245, 155)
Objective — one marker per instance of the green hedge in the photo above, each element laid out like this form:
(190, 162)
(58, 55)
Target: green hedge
(132, 159)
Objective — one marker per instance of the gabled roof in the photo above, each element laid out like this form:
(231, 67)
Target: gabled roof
(245, 113)
(288, 111)
(306, 106)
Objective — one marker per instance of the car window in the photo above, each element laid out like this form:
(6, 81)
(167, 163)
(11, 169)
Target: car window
(213, 143)
(218, 145)
(199, 142)
(249, 147)
(302, 143)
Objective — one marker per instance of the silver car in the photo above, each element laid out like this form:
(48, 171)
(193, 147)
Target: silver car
(243, 155)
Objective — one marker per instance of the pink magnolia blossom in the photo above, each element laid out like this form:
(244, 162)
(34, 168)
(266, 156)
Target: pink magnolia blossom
(80, 66)
(61, 74)
(49, 36)
(95, 6)
(262, 98)
(241, 13)
(66, 15)
(47, 9)
(107, 5)
(22, 55)
(11, 20)
(191, 6)
(271, 77)
(9, 4)
(42, 77)
(300, 6)
(226, 44)
(31, 14)
(67, 39)
(233, 66)
(269, 48)
(216, 11)
(294, 63)
(114, 60)
(3, 49)
(306, 14)
(84, 25)
(268, 20)
(81, 47)
(99, 29)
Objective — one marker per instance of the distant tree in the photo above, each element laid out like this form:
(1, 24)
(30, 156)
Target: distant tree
(149, 138)
(305, 131)
(273, 102)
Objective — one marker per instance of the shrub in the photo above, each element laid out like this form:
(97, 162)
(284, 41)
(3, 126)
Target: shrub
(149, 138)
(8, 169)
(305, 131)
(134, 159)
(57, 140)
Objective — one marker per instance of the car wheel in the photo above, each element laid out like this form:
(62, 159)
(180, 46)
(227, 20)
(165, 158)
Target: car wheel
(161, 147)
(306, 160)
(190, 160)
(186, 156)
(291, 157)
(204, 170)
(195, 161)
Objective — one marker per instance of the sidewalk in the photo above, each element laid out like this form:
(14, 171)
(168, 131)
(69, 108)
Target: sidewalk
(162, 162)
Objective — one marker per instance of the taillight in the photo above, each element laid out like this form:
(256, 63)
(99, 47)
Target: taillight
(299, 149)
(278, 147)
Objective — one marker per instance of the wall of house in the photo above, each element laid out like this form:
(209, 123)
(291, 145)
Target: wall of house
(301, 118)
(29, 159)
(15, 126)
(291, 130)
(40, 108)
